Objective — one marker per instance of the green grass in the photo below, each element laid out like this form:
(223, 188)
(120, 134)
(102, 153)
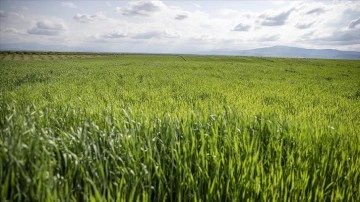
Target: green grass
(158, 128)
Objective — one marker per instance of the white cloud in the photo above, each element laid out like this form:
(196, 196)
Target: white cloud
(316, 11)
(147, 35)
(11, 31)
(354, 23)
(269, 38)
(110, 37)
(181, 16)
(275, 19)
(228, 12)
(241, 27)
(141, 8)
(47, 28)
(156, 34)
(85, 18)
(68, 4)
(196, 5)
(114, 35)
(180, 25)
(304, 25)
(3, 14)
(343, 37)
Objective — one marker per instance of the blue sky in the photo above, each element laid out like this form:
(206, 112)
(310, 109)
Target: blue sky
(171, 26)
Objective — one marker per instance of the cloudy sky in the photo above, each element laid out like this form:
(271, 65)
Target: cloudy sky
(172, 26)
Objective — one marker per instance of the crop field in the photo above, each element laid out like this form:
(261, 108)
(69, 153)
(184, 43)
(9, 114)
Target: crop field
(97, 127)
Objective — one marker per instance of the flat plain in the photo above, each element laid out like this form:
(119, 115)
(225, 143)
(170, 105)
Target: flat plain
(122, 127)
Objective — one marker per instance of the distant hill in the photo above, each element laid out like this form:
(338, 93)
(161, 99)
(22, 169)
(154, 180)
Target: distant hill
(292, 52)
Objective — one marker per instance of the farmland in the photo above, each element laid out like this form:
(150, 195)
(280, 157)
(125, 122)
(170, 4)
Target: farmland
(102, 127)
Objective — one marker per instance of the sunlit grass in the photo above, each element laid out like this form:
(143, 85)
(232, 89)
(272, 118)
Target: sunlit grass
(155, 128)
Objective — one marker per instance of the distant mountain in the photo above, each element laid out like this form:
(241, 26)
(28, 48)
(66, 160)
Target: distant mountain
(292, 52)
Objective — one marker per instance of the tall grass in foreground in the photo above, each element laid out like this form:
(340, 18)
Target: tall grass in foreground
(158, 128)
(61, 154)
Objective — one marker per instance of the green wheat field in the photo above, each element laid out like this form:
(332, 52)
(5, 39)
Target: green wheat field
(106, 127)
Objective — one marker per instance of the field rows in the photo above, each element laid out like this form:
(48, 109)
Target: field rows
(43, 56)
(178, 128)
